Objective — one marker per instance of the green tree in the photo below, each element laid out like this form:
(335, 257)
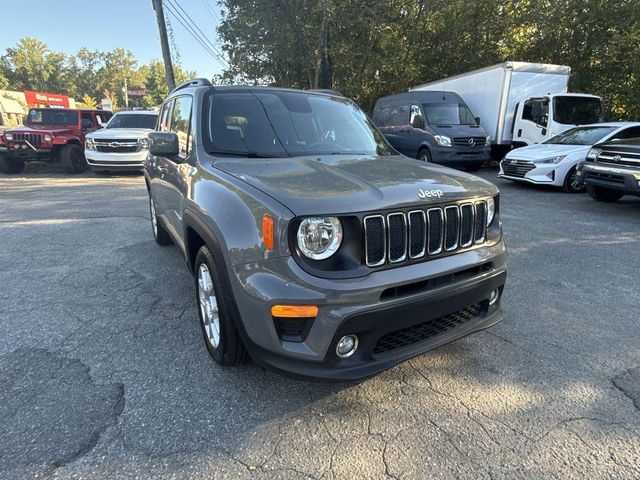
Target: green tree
(30, 65)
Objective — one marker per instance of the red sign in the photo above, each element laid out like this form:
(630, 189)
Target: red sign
(135, 92)
(35, 99)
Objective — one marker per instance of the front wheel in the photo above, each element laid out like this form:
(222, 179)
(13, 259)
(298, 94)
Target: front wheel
(603, 194)
(215, 309)
(11, 165)
(424, 155)
(161, 236)
(72, 158)
(572, 183)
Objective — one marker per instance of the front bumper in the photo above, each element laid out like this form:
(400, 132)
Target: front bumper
(625, 179)
(360, 307)
(453, 156)
(115, 161)
(28, 154)
(536, 173)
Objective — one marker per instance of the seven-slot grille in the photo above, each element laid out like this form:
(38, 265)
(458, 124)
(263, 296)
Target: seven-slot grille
(117, 146)
(34, 139)
(517, 168)
(399, 236)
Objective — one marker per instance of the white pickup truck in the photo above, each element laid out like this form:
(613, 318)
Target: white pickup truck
(520, 103)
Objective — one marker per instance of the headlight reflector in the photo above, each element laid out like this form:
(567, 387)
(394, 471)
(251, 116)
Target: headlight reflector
(593, 153)
(557, 159)
(8, 136)
(319, 237)
(143, 143)
(443, 140)
(488, 142)
(47, 137)
(491, 210)
(89, 143)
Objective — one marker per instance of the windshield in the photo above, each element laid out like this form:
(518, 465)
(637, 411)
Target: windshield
(281, 124)
(52, 117)
(576, 110)
(448, 114)
(581, 136)
(133, 120)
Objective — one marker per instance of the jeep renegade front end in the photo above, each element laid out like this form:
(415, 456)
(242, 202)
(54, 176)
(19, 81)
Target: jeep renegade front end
(315, 247)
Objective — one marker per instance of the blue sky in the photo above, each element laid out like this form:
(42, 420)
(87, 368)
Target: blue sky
(68, 25)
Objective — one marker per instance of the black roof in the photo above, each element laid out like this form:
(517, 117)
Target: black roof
(420, 96)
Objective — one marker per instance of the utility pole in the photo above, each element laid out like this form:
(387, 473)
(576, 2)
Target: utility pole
(125, 90)
(164, 43)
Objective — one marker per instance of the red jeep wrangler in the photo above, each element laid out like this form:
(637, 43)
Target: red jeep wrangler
(50, 134)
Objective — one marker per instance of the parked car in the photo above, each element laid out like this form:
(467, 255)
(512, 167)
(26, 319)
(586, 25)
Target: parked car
(521, 103)
(612, 170)
(51, 134)
(554, 161)
(314, 246)
(122, 144)
(434, 127)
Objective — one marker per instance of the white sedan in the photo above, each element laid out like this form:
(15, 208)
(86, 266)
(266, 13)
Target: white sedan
(554, 161)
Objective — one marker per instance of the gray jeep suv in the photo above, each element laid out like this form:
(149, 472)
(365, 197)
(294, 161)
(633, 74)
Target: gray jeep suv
(315, 247)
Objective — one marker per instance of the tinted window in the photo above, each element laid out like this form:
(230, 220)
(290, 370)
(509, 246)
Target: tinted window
(399, 116)
(181, 123)
(277, 124)
(633, 132)
(581, 136)
(448, 114)
(576, 110)
(535, 110)
(133, 120)
(52, 117)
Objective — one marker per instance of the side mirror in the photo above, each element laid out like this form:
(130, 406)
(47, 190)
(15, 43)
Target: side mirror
(163, 144)
(477, 120)
(418, 122)
(543, 121)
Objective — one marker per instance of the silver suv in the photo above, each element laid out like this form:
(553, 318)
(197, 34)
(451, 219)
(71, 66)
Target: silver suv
(315, 247)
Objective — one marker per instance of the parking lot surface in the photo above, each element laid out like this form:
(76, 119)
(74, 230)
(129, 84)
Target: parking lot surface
(104, 374)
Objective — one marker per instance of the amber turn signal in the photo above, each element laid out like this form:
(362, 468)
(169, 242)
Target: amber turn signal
(294, 311)
(267, 232)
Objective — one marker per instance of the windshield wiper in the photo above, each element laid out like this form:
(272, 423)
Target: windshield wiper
(242, 154)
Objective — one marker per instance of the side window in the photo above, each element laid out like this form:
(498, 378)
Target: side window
(633, 132)
(87, 120)
(102, 118)
(399, 116)
(535, 110)
(381, 116)
(416, 119)
(164, 117)
(181, 123)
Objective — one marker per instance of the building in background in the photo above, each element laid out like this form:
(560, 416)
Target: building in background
(14, 105)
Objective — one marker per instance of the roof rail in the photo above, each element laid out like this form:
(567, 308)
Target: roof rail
(196, 82)
(328, 91)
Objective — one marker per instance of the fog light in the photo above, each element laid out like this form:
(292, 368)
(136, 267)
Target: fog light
(493, 297)
(347, 346)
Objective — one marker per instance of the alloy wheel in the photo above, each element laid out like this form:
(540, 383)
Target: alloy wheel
(208, 303)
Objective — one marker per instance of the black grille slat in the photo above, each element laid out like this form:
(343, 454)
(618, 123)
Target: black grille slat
(417, 233)
(464, 142)
(374, 240)
(397, 230)
(118, 149)
(518, 169)
(429, 329)
(481, 222)
(34, 139)
(466, 225)
(434, 227)
(452, 226)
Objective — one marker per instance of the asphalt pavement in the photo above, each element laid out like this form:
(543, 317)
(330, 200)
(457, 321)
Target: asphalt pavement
(104, 374)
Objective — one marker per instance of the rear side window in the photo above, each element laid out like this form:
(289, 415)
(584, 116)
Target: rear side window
(181, 123)
(633, 132)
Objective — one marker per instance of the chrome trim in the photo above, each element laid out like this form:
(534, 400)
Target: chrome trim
(384, 242)
(620, 170)
(473, 224)
(424, 234)
(444, 229)
(484, 226)
(403, 257)
(439, 249)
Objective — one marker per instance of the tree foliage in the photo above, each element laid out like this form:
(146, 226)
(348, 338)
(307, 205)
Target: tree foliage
(373, 48)
(85, 76)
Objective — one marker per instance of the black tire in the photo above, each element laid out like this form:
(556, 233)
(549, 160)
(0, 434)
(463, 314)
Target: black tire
(72, 158)
(425, 155)
(473, 167)
(160, 235)
(603, 194)
(230, 349)
(11, 165)
(571, 182)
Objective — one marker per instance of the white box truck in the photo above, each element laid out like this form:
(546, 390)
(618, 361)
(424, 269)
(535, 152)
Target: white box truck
(520, 103)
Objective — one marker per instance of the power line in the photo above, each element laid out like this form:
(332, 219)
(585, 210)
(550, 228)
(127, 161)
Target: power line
(193, 30)
(211, 10)
(202, 34)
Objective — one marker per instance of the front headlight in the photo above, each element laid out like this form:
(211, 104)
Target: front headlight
(47, 137)
(491, 210)
(557, 159)
(488, 141)
(319, 237)
(8, 136)
(593, 153)
(89, 143)
(143, 143)
(443, 140)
